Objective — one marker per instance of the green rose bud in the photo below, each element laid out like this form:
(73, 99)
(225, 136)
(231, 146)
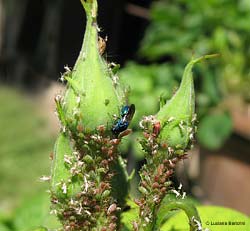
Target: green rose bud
(91, 98)
(177, 116)
(85, 154)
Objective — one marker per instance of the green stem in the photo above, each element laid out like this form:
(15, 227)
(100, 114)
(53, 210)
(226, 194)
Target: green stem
(89, 46)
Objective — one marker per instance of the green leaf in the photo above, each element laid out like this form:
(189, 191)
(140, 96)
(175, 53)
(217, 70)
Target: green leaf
(209, 216)
(214, 130)
(129, 216)
(35, 212)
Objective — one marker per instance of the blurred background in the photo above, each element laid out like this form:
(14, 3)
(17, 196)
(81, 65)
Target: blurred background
(153, 41)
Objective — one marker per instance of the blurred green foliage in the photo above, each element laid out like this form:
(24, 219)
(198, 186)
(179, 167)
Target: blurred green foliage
(25, 144)
(179, 29)
(214, 129)
(147, 86)
(35, 212)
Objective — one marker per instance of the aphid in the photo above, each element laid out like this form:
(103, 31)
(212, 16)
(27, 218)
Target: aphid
(127, 113)
(156, 128)
(102, 44)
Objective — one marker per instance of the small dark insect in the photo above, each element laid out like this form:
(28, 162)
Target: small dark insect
(127, 113)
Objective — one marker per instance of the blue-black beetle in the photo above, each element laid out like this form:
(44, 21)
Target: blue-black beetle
(122, 123)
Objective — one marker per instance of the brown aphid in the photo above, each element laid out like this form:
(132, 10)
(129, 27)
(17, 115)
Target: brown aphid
(156, 128)
(135, 226)
(97, 208)
(164, 145)
(163, 189)
(104, 163)
(111, 209)
(115, 141)
(169, 172)
(125, 133)
(114, 218)
(175, 160)
(104, 149)
(156, 178)
(104, 185)
(163, 179)
(102, 44)
(101, 128)
(110, 152)
(79, 128)
(155, 185)
(139, 202)
(160, 169)
(166, 161)
(112, 227)
(144, 183)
